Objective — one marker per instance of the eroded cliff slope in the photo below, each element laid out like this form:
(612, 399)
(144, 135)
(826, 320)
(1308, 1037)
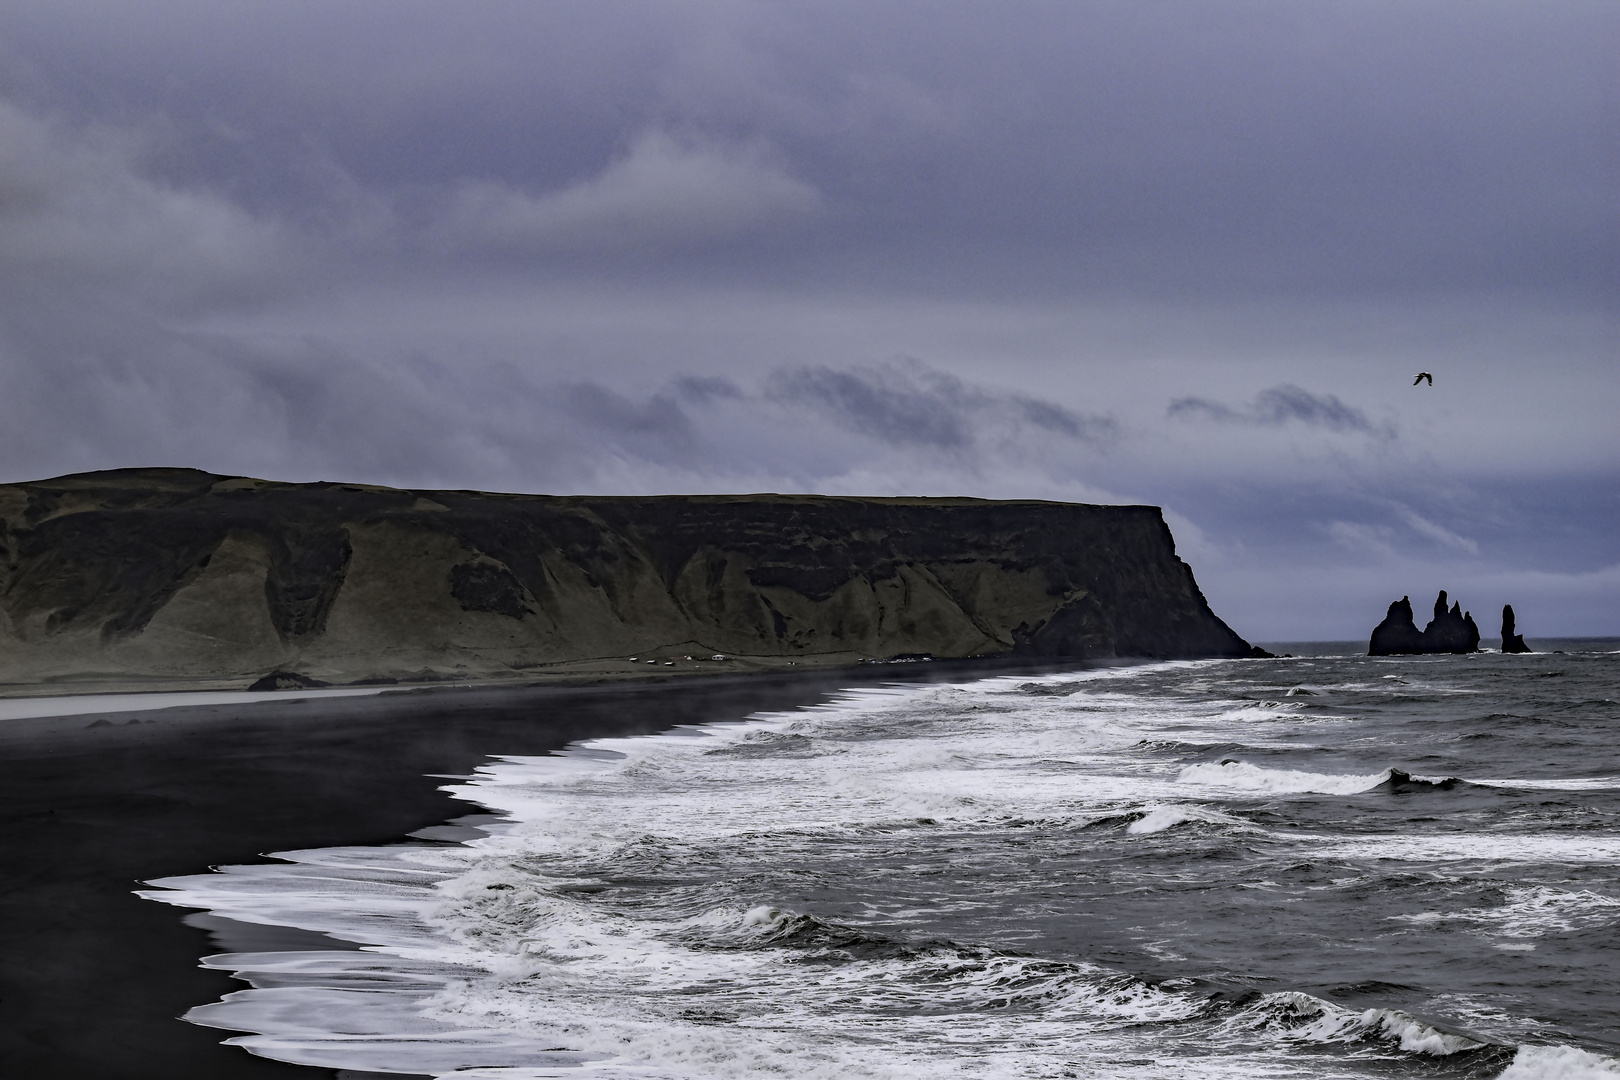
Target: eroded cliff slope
(180, 574)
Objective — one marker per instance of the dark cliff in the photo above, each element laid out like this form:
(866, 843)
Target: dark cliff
(184, 574)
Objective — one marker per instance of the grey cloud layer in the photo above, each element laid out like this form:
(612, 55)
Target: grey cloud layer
(79, 215)
(1209, 148)
(909, 404)
(1280, 405)
(660, 194)
(1183, 253)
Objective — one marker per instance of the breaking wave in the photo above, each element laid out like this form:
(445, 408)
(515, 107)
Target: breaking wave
(1242, 776)
(1009, 878)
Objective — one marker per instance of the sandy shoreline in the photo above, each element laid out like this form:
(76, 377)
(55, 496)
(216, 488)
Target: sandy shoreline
(42, 706)
(92, 978)
(662, 663)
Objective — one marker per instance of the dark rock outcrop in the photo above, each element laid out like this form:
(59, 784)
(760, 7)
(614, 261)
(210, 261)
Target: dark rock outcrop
(1398, 633)
(287, 680)
(1450, 631)
(188, 575)
(1511, 642)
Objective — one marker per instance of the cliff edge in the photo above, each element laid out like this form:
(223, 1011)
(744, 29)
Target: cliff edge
(186, 575)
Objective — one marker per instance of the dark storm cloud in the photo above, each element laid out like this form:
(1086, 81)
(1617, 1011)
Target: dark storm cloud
(81, 220)
(704, 388)
(1216, 149)
(640, 246)
(1281, 405)
(883, 405)
(651, 429)
(909, 404)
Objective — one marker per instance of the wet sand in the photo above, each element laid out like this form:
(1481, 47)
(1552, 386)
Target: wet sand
(93, 979)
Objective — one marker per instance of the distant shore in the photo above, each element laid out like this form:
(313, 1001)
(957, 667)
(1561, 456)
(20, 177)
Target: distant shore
(118, 575)
(564, 673)
(93, 979)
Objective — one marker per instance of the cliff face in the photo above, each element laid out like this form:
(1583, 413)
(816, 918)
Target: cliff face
(184, 574)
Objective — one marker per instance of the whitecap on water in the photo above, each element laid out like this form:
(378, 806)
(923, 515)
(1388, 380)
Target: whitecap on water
(636, 911)
(1159, 818)
(1573, 783)
(1242, 776)
(1532, 911)
(1560, 1063)
(1471, 847)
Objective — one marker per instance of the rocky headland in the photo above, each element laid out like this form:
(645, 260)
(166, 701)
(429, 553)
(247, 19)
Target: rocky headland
(1450, 631)
(142, 576)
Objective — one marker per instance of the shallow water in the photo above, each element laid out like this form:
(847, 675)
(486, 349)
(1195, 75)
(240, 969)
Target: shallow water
(1331, 866)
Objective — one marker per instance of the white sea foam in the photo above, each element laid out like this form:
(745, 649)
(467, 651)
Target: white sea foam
(1574, 783)
(1244, 777)
(615, 922)
(1559, 1063)
(1159, 818)
(1533, 911)
(1471, 847)
(734, 1006)
(494, 957)
(1406, 1031)
(369, 895)
(1301, 1017)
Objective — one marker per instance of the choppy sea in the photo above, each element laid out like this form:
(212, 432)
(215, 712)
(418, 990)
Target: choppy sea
(1323, 866)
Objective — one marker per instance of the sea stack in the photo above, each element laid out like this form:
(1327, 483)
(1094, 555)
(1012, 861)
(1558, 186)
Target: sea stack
(1397, 634)
(1511, 642)
(1450, 631)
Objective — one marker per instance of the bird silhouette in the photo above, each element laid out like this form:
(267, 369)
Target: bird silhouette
(1422, 376)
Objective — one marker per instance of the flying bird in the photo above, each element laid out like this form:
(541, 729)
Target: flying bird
(1421, 376)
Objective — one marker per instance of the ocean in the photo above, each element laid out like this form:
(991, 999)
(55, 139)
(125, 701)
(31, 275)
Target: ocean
(1318, 866)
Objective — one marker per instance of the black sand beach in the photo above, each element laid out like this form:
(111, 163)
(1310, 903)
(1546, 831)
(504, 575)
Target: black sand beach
(93, 979)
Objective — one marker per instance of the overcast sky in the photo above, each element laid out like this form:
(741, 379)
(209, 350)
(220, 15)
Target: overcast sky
(1183, 253)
